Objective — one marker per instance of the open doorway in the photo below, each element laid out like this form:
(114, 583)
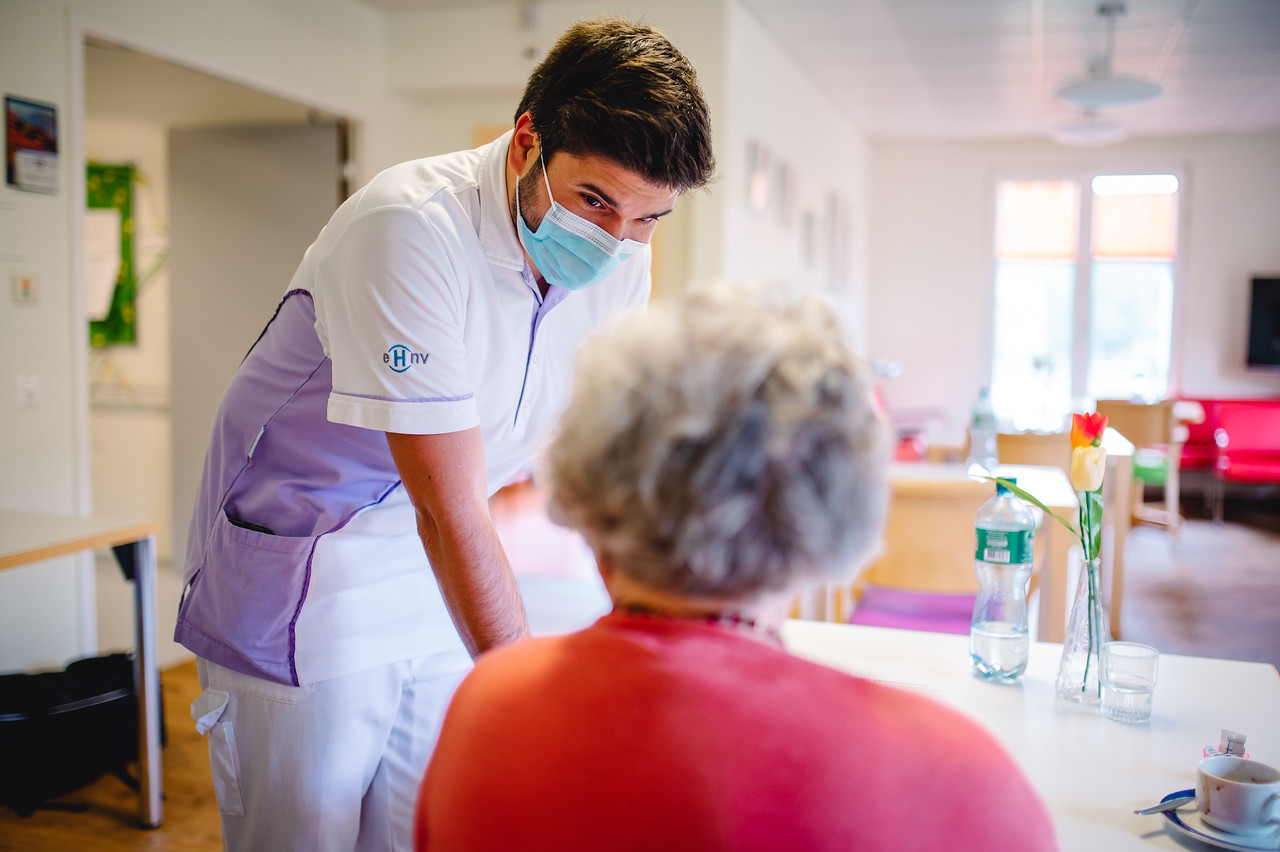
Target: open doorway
(146, 436)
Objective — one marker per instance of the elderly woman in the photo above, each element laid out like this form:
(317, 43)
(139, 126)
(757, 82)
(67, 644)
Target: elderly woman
(716, 453)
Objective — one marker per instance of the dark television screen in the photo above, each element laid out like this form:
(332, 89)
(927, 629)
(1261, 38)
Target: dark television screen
(1264, 323)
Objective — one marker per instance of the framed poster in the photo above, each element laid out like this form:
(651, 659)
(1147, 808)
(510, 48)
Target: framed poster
(31, 145)
(111, 287)
(759, 175)
(839, 228)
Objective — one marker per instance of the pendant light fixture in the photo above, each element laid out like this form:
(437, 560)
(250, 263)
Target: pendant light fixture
(1090, 131)
(1103, 89)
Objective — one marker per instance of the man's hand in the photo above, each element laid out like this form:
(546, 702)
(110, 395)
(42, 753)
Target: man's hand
(445, 478)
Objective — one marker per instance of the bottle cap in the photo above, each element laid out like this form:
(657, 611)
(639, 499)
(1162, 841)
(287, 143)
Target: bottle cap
(1001, 488)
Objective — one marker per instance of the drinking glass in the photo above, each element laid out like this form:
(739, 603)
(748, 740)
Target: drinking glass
(1128, 681)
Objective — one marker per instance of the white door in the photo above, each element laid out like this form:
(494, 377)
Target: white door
(244, 204)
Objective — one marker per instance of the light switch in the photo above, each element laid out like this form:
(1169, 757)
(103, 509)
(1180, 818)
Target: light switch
(26, 288)
(28, 391)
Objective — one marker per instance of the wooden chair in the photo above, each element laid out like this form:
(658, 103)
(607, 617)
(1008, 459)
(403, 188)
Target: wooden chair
(1155, 433)
(1051, 449)
(923, 578)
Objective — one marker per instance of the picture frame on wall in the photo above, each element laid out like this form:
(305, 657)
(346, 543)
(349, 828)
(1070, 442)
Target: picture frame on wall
(785, 204)
(808, 239)
(31, 145)
(759, 177)
(839, 235)
(110, 280)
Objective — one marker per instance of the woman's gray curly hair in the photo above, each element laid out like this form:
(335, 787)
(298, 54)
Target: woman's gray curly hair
(722, 445)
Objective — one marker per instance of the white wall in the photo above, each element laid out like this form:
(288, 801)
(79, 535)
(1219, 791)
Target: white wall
(770, 102)
(1234, 233)
(286, 47)
(931, 256)
(42, 454)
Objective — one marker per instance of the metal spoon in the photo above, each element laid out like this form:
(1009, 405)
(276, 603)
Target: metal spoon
(1166, 806)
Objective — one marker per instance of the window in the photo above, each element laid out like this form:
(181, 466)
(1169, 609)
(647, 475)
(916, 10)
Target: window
(1084, 282)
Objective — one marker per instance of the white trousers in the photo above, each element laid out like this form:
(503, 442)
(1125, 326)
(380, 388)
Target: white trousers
(331, 766)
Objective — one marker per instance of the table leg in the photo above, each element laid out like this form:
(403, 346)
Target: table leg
(146, 678)
(1173, 489)
(1120, 522)
(1053, 583)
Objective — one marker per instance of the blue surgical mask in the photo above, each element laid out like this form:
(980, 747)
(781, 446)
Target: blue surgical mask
(569, 251)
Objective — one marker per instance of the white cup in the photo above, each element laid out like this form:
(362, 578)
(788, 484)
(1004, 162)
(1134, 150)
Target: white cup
(1237, 795)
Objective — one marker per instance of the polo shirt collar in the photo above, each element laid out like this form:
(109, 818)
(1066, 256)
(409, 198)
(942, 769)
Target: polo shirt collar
(497, 233)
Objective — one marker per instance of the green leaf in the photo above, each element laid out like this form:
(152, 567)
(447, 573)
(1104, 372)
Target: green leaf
(1031, 499)
(1093, 499)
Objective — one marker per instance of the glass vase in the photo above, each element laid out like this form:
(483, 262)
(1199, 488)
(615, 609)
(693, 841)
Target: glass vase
(1079, 673)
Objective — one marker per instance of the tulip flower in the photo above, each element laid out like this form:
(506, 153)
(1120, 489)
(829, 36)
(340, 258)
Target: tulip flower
(1088, 463)
(1087, 429)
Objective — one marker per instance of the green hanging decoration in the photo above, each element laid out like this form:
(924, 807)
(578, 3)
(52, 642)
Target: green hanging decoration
(110, 187)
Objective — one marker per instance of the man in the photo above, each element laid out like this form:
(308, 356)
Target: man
(420, 355)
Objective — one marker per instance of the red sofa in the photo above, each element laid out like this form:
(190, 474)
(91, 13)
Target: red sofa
(1238, 441)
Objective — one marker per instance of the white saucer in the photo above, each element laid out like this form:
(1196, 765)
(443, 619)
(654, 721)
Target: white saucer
(1189, 822)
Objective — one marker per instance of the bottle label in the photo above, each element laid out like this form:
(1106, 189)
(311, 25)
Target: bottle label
(1005, 547)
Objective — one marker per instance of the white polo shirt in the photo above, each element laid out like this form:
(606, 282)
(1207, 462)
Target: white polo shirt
(414, 311)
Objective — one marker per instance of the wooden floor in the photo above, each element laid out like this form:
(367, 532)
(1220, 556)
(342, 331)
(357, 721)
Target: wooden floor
(1212, 590)
(111, 819)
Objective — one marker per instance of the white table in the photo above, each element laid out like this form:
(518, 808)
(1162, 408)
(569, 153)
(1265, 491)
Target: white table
(1092, 772)
(26, 538)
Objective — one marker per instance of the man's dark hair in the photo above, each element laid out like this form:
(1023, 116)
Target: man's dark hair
(621, 90)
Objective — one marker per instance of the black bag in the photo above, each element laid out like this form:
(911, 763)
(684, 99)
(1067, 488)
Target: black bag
(60, 731)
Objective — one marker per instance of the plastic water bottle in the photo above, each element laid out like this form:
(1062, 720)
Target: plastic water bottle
(982, 434)
(999, 638)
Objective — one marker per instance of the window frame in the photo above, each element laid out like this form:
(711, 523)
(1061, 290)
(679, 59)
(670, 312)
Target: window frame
(1081, 338)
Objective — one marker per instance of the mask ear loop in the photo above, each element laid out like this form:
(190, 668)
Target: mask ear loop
(545, 181)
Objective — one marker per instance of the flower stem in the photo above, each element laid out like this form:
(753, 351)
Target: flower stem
(1090, 578)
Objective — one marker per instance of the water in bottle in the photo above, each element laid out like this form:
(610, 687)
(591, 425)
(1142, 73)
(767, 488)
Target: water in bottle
(999, 638)
(982, 435)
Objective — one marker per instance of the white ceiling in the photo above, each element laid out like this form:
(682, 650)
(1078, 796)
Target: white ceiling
(989, 68)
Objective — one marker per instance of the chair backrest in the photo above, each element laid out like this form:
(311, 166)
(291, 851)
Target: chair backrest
(929, 538)
(1145, 425)
(1200, 449)
(1050, 449)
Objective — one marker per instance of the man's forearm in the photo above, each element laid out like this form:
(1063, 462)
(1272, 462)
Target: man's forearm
(475, 580)
(445, 477)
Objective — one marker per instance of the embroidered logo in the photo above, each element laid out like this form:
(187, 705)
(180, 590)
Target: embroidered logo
(400, 358)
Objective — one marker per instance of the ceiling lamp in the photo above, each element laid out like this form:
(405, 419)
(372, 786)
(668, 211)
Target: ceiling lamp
(1089, 132)
(1103, 89)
